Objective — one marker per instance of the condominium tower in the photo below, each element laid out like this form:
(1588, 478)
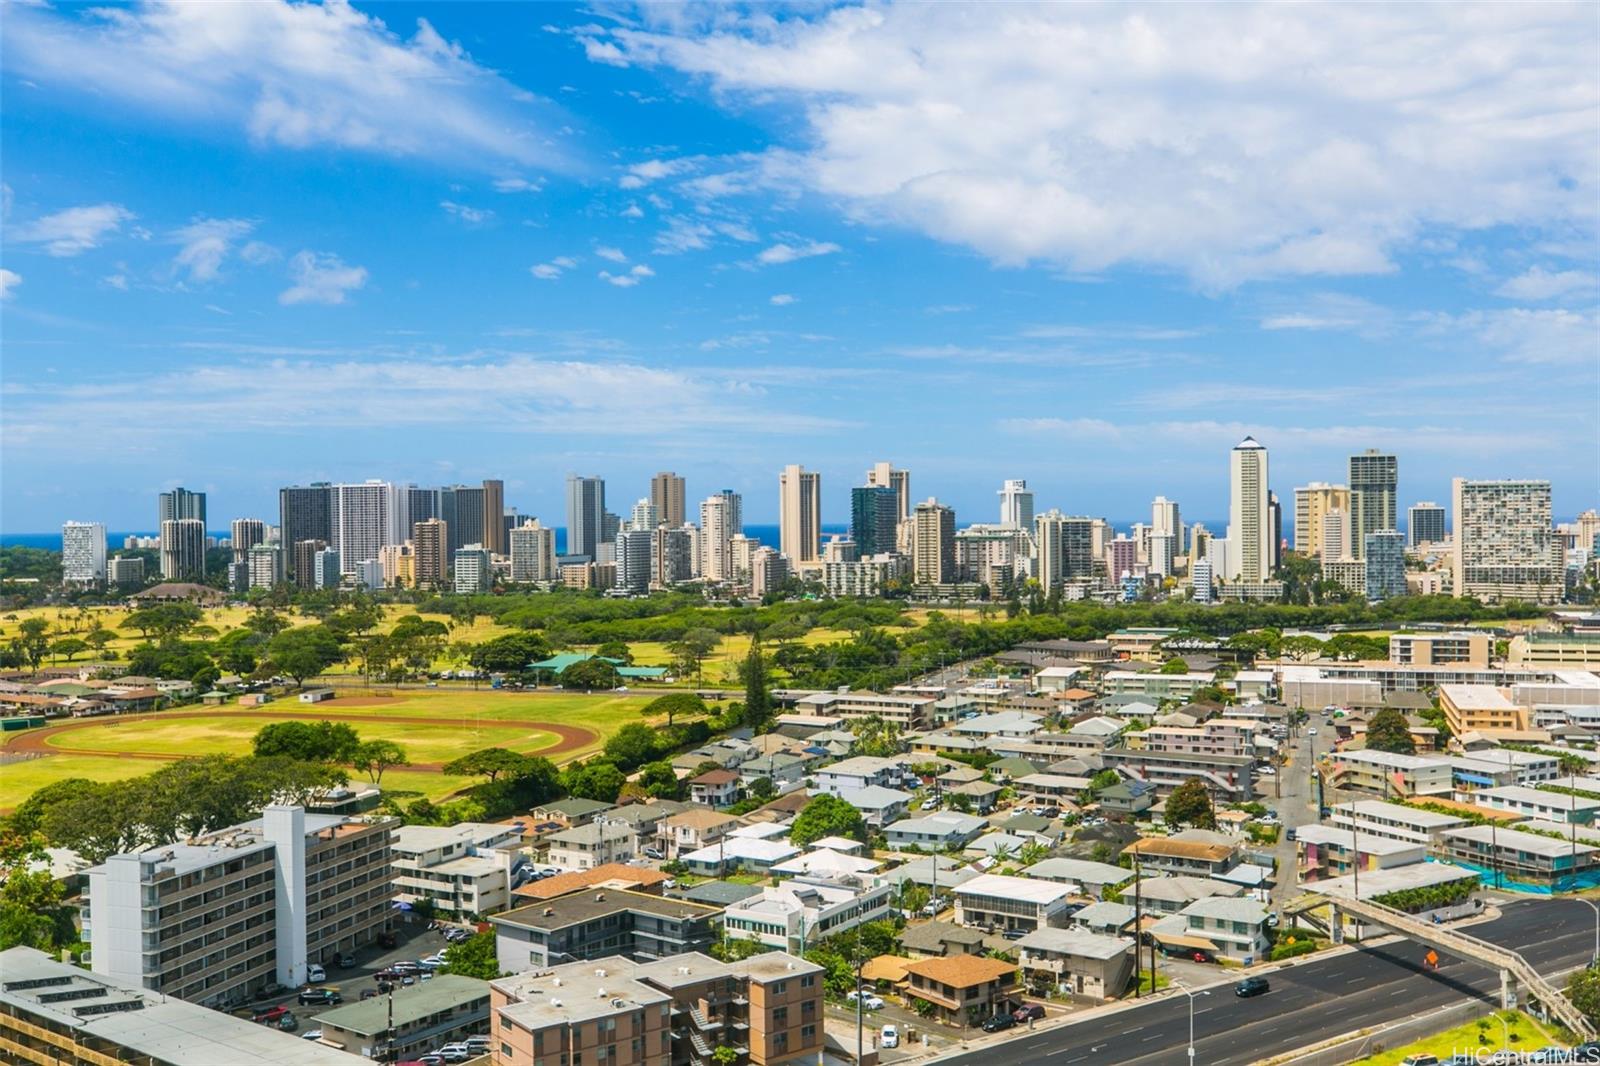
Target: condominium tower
(1504, 545)
(884, 475)
(183, 549)
(666, 494)
(1065, 546)
(874, 517)
(246, 533)
(1016, 504)
(366, 516)
(179, 504)
(533, 553)
(1250, 552)
(1311, 503)
(1425, 524)
(305, 512)
(430, 550)
(800, 515)
(586, 515)
(933, 543)
(494, 517)
(721, 519)
(83, 553)
(1374, 478)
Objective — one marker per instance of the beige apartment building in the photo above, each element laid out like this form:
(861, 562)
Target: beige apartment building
(1439, 649)
(1482, 709)
(1311, 504)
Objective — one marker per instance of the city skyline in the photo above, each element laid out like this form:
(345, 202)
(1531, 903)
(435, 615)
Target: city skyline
(620, 241)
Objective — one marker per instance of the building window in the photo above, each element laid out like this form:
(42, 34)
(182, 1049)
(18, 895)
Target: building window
(506, 1050)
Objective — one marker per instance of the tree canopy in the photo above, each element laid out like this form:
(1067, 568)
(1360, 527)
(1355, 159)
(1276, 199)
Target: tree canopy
(591, 675)
(1190, 804)
(312, 741)
(827, 816)
(491, 763)
(304, 652)
(1388, 731)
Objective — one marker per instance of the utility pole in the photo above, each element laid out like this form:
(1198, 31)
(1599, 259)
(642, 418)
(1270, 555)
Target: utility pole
(1138, 975)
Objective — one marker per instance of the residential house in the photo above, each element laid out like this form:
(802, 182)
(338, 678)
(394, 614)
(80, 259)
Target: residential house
(937, 831)
(963, 989)
(571, 812)
(695, 828)
(1199, 852)
(879, 806)
(1236, 928)
(1083, 877)
(935, 940)
(1126, 799)
(802, 911)
(588, 846)
(715, 788)
(1105, 917)
(980, 796)
(1169, 895)
(859, 772)
(734, 854)
(997, 902)
(1050, 790)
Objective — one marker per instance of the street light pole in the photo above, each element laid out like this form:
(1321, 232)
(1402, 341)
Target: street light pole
(1191, 995)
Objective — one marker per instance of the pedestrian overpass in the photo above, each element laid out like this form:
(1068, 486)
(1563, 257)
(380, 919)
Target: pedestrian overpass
(1519, 982)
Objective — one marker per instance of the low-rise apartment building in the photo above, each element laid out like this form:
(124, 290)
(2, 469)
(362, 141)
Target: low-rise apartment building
(215, 918)
(1483, 709)
(715, 788)
(1327, 851)
(461, 869)
(1490, 767)
(445, 1009)
(1230, 778)
(592, 925)
(1393, 821)
(1388, 774)
(1440, 649)
(1196, 852)
(694, 829)
(962, 989)
(1156, 686)
(803, 910)
(595, 844)
(862, 771)
(582, 1012)
(935, 832)
(1538, 803)
(1001, 903)
(1219, 736)
(1510, 855)
(1237, 927)
(1568, 651)
(902, 710)
(1083, 965)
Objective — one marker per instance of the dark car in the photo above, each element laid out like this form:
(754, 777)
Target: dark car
(1027, 1012)
(999, 1022)
(1251, 986)
(310, 996)
(387, 940)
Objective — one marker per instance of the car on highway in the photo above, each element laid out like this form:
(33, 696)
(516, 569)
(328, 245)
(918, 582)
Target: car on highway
(890, 1037)
(1251, 986)
(1028, 1012)
(999, 1023)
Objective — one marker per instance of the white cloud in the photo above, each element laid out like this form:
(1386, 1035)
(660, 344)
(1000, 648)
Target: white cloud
(633, 211)
(1224, 142)
(321, 278)
(788, 253)
(289, 74)
(1331, 312)
(259, 253)
(517, 185)
(1540, 284)
(205, 243)
(472, 216)
(117, 281)
(781, 299)
(1296, 439)
(1535, 336)
(73, 231)
(554, 268)
(628, 280)
(614, 255)
(641, 174)
(9, 280)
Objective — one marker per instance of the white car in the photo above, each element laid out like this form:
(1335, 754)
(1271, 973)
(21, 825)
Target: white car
(311, 1034)
(315, 974)
(890, 1037)
(454, 1053)
(1311, 732)
(868, 1000)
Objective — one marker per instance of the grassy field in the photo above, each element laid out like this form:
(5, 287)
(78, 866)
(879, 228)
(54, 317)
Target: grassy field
(19, 780)
(1463, 1039)
(603, 711)
(721, 665)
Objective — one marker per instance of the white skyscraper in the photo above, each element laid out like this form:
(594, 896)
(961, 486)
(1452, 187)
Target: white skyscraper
(644, 515)
(884, 475)
(533, 553)
(366, 517)
(721, 518)
(1505, 547)
(1016, 505)
(1335, 543)
(1249, 515)
(1164, 520)
(83, 553)
(799, 515)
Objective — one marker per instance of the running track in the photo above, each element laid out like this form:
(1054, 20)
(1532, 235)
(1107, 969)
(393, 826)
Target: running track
(36, 741)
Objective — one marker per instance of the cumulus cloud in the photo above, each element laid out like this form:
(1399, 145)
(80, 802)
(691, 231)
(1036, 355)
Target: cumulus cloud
(205, 243)
(9, 280)
(321, 278)
(614, 255)
(1540, 284)
(628, 280)
(782, 299)
(259, 253)
(1222, 142)
(788, 253)
(73, 231)
(288, 74)
(554, 268)
(472, 216)
(517, 185)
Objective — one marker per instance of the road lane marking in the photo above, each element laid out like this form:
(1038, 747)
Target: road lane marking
(1135, 1029)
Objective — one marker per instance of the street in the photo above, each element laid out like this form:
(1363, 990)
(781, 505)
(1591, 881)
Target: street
(1308, 1003)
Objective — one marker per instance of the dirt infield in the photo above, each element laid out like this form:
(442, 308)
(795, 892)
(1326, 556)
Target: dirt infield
(365, 701)
(36, 741)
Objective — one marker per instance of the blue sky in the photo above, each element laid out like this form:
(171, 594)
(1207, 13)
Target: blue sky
(255, 244)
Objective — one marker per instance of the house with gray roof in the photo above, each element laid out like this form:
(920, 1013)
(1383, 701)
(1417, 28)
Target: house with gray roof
(1084, 965)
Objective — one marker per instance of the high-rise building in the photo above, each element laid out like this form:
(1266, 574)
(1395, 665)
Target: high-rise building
(670, 556)
(1275, 513)
(933, 543)
(1335, 532)
(1016, 504)
(1311, 502)
(1386, 564)
(264, 566)
(369, 573)
(1374, 480)
(1202, 581)
(246, 533)
(328, 569)
(461, 507)
(884, 475)
(1249, 514)
(305, 562)
(305, 512)
(83, 553)
(430, 549)
(423, 504)
(180, 504)
(799, 515)
(1163, 552)
(666, 493)
(473, 572)
(533, 553)
(644, 515)
(366, 516)
(1504, 546)
(721, 519)
(399, 565)
(494, 517)
(586, 515)
(1425, 524)
(1066, 548)
(635, 553)
(768, 571)
(740, 549)
(183, 549)
(873, 518)
(1166, 521)
(1122, 557)
(125, 570)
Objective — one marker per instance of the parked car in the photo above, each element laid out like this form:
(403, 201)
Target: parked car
(271, 1016)
(1027, 1011)
(408, 979)
(311, 1034)
(653, 853)
(868, 1000)
(1251, 986)
(430, 1059)
(347, 961)
(369, 993)
(455, 1053)
(890, 1037)
(998, 1023)
(930, 804)
(319, 996)
(1014, 934)
(288, 1023)
(478, 1043)
(1420, 1060)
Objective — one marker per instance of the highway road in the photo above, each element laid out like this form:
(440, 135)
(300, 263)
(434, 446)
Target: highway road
(1308, 1003)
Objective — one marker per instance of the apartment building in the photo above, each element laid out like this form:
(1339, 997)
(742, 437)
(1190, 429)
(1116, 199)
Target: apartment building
(963, 989)
(804, 910)
(862, 771)
(1001, 903)
(580, 1012)
(1236, 927)
(212, 919)
(1504, 546)
(1384, 773)
(52, 1012)
(1230, 778)
(1220, 736)
(1509, 854)
(442, 1010)
(1570, 651)
(1083, 965)
(1482, 709)
(1156, 686)
(1193, 852)
(1555, 807)
(1503, 766)
(597, 844)
(904, 711)
(462, 869)
(938, 831)
(592, 925)
(1392, 821)
(694, 829)
(1440, 649)
(1325, 851)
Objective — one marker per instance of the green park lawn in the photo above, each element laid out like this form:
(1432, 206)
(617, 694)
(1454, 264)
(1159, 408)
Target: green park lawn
(20, 779)
(230, 734)
(605, 712)
(721, 665)
(1530, 1036)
